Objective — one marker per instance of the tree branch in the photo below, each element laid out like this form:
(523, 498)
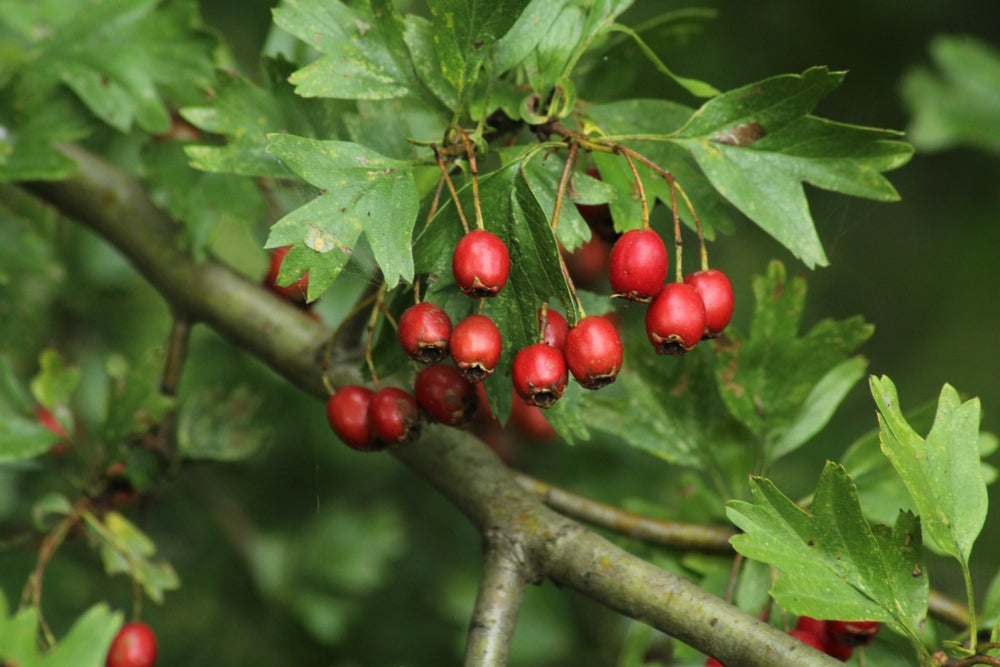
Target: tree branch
(469, 474)
(497, 604)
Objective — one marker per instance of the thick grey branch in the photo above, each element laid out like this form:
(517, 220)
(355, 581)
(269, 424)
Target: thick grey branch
(469, 474)
(501, 588)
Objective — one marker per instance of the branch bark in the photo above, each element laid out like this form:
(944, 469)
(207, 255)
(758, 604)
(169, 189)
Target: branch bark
(547, 545)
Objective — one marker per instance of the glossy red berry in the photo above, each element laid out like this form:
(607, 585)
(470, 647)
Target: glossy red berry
(554, 328)
(296, 292)
(133, 646)
(445, 395)
(853, 633)
(637, 267)
(480, 263)
(594, 352)
(394, 416)
(423, 331)
(717, 294)
(539, 373)
(675, 320)
(347, 412)
(475, 347)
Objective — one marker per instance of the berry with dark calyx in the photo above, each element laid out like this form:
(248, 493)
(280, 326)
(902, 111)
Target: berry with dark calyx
(347, 411)
(394, 416)
(475, 347)
(717, 294)
(423, 331)
(480, 263)
(540, 375)
(296, 292)
(853, 633)
(675, 320)
(553, 328)
(133, 646)
(594, 352)
(637, 267)
(445, 395)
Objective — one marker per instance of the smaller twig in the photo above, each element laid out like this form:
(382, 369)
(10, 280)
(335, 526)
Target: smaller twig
(563, 181)
(678, 239)
(470, 151)
(495, 614)
(370, 333)
(640, 188)
(451, 187)
(658, 531)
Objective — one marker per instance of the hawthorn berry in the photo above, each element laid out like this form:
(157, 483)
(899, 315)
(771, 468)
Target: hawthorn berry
(423, 331)
(553, 328)
(394, 416)
(347, 411)
(594, 352)
(133, 646)
(637, 267)
(588, 264)
(445, 395)
(813, 640)
(539, 373)
(296, 292)
(475, 347)
(675, 320)
(717, 294)
(480, 263)
(853, 633)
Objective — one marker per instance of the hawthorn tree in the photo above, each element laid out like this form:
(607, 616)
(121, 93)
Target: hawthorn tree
(377, 141)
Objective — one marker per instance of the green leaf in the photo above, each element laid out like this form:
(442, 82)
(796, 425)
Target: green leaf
(30, 131)
(536, 20)
(127, 550)
(220, 427)
(135, 403)
(941, 472)
(55, 382)
(832, 562)
(88, 640)
(960, 103)
(118, 57)
(783, 387)
(757, 145)
(361, 191)
(358, 60)
(693, 86)
(246, 113)
(22, 439)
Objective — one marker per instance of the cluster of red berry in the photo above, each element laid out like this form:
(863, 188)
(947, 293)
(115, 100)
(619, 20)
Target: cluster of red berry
(837, 639)
(133, 646)
(680, 313)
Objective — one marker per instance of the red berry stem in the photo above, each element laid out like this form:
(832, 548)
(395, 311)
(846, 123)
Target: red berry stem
(678, 240)
(470, 150)
(328, 348)
(451, 187)
(370, 332)
(640, 189)
(563, 184)
(697, 226)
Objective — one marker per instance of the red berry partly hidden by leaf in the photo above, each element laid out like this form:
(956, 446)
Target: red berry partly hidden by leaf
(638, 265)
(553, 329)
(588, 264)
(531, 420)
(717, 294)
(133, 646)
(817, 642)
(475, 347)
(675, 320)
(394, 416)
(712, 662)
(424, 330)
(296, 292)
(539, 374)
(347, 411)
(480, 263)
(47, 419)
(445, 395)
(594, 352)
(853, 633)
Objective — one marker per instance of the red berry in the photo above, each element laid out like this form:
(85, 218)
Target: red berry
(480, 263)
(49, 421)
(554, 328)
(588, 264)
(423, 332)
(638, 265)
(717, 294)
(475, 347)
(296, 292)
(675, 320)
(445, 395)
(594, 352)
(531, 420)
(598, 216)
(347, 411)
(812, 625)
(394, 416)
(816, 642)
(853, 633)
(133, 646)
(539, 374)
(712, 662)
